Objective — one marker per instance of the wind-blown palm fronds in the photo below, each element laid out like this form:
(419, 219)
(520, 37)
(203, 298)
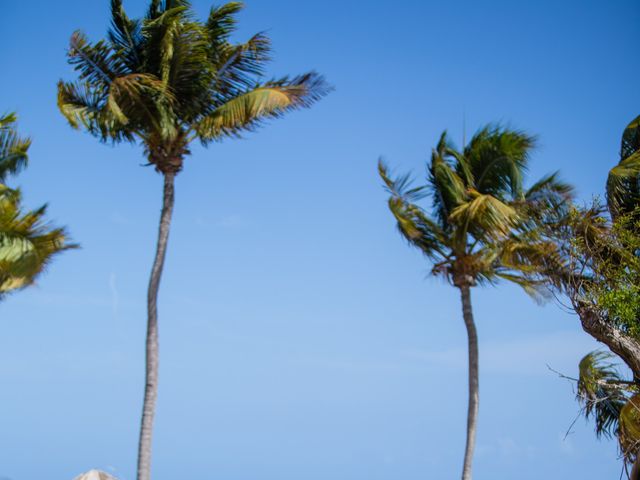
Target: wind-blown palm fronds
(164, 81)
(483, 226)
(623, 184)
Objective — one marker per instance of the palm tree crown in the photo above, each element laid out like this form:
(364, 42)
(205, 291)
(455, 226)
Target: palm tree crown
(482, 223)
(167, 79)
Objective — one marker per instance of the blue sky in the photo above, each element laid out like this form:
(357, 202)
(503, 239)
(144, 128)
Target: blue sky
(299, 335)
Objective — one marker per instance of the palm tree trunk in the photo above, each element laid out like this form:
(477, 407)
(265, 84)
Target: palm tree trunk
(635, 471)
(151, 381)
(472, 412)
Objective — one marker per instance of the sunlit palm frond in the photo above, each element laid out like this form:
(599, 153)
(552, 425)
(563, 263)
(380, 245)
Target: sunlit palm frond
(498, 158)
(270, 100)
(484, 216)
(27, 242)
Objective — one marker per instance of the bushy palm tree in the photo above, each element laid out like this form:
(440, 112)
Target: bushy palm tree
(27, 242)
(164, 81)
(482, 226)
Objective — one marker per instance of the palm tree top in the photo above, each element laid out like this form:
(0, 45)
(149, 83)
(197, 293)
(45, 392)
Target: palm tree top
(481, 225)
(167, 79)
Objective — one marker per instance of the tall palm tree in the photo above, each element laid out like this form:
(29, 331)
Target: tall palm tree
(164, 81)
(27, 242)
(482, 227)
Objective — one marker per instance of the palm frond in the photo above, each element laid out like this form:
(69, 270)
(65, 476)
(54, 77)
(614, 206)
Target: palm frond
(125, 35)
(13, 148)
(599, 391)
(27, 242)
(270, 100)
(96, 64)
(498, 158)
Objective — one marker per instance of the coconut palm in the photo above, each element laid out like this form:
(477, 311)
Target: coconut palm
(482, 227)
(164, 81)
(27, 242)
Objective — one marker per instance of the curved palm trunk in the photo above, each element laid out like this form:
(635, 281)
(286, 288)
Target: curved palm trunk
(472, 412)
(151, 383)
(635, 471)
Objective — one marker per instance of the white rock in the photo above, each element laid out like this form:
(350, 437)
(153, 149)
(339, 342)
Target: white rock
(95, 475)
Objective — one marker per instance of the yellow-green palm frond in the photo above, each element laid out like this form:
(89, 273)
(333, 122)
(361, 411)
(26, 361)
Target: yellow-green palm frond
(27, 242)
(483, 216)
(412, 222)
(270, 100)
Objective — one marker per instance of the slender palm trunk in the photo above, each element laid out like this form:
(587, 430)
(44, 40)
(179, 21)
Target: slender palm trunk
(472, 412)
(151, 383)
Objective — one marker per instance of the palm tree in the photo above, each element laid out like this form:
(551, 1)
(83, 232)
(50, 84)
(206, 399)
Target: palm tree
(27, 242)
(482, 227)
(164, 81)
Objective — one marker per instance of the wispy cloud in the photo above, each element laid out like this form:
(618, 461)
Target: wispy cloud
(227, 221)
(115, 297)
(523, 356)
(506, 447)
(119, 219)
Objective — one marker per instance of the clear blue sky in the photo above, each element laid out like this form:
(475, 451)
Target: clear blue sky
(300, 337)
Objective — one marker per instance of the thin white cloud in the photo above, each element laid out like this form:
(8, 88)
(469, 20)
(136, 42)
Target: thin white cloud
(523, 356)
(115, 297)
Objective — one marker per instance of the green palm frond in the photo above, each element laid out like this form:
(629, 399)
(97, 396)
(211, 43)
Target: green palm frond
(13, 148)
(222, 21)
(630, 139)
(449, 190)
(125, 35)
(498, 158)
(412, 222)
(27, 242)
(600, 393)
(623, 184)
(95, 63)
